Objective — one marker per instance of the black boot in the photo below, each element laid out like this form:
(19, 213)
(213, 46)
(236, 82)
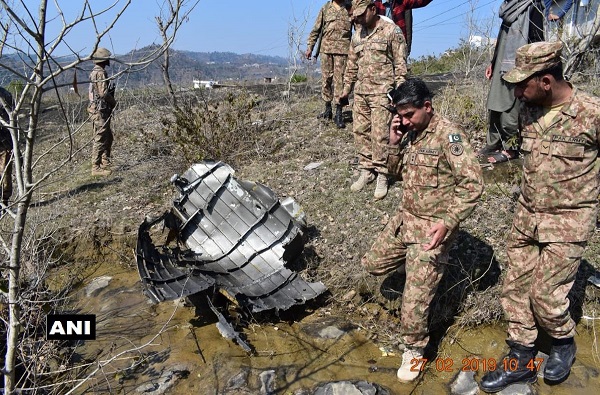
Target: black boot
(339, 119)
(517, 367)
(327, 114)
(560, 360)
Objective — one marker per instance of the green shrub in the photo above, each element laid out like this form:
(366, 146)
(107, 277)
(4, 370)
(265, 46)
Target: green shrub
(16, 88)
(297, 78)
(220, 130)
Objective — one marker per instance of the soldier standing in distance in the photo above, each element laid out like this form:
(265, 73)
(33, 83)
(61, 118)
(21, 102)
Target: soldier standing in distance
(334, 27)
(555, 214)
(442, 183)
(102, 103)
(6, 147)
(376, 64)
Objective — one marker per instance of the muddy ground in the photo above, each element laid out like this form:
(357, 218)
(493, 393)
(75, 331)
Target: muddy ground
(96, 221)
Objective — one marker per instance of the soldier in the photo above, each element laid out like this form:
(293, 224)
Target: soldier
(442, 183)
(6, 147)
(102, 103)
(555, 213)
(376, 64)
(334, 27)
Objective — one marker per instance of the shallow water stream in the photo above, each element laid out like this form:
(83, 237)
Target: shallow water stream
(313, 348)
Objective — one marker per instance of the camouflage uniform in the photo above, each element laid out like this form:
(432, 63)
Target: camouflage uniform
(555, 216)
(442, 181)
(376, 65)
(101, 105)
(6, 147)
(334, 27)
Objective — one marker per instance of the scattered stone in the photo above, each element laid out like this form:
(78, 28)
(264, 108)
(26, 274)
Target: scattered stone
(313, 165)
(517, 389)
(267, 382)
(349, 296)
(331, 332)
(97, 285)
(464, 384)
(166, 380)
(239, 380)
(351, 388)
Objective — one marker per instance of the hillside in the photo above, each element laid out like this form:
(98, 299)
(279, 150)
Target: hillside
(185, 66)
(96, 220)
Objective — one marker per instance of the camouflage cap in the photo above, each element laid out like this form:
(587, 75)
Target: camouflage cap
(101, 55)
(532, 58)
(360, 6)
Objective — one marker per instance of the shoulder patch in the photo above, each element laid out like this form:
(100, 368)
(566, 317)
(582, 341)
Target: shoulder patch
(456, 149)
(454, 138)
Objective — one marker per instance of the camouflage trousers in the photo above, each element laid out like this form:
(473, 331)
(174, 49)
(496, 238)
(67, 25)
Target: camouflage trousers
(424, 270)
(332, 75)
(535, 289)
(6, 166)
(103, 139)
(370, 120)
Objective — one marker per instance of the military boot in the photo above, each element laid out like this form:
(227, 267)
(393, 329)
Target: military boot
(381, 187)
(517, 367)
(99, 171)
(339, 118)
(106, 162)
(366, 177)
(411, 365)
(560, 360)
(328, 113)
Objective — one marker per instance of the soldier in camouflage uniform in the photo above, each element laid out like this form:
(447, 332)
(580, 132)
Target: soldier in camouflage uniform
(555, 214)
(334, 27)
(6, 147)
(102, 103)
(442, 183)
(376, 64)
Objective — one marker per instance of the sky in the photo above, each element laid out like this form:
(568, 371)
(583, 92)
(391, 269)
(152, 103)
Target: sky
(261, 26)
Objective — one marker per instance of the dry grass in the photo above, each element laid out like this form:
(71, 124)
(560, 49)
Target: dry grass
(342, 225)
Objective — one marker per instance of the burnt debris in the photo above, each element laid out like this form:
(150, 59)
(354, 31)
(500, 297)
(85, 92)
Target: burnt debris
(232, 235)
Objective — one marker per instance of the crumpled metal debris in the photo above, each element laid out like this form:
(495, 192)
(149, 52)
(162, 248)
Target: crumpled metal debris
(238, 237)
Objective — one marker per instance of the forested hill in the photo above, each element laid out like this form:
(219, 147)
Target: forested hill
(185, 66)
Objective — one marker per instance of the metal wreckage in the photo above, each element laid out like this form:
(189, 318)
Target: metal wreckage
(238, 237)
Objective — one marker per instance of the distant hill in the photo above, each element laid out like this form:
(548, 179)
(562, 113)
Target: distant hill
(185, 66)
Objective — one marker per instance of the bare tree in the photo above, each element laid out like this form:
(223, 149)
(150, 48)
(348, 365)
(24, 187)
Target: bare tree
(29, 54)
(176, 12)
(296, 33)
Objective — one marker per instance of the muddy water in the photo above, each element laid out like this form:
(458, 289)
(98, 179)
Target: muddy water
(297, 351)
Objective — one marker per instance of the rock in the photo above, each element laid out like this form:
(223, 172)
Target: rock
(350, 388)
(313, 165)
(464, 384)
(166, 380)
(97, 285)
(517, 389)
(331, 332)
(349, 295)
(239, 380)
(267, 382)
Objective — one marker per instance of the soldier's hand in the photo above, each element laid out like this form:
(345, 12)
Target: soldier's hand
(396, 130)
(437, 233)
(308, 54)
